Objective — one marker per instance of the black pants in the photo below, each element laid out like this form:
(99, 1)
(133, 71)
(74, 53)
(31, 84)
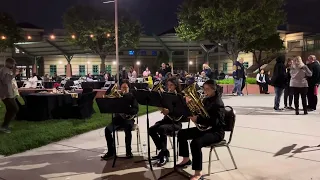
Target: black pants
(288, 94)
(263, 87)
(199, 139)
(303, 92)
(312, 99)
(160, 130)
(119, 123)
(11, 111)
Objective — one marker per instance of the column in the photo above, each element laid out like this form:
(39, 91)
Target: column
(34, 66)
(69, 68)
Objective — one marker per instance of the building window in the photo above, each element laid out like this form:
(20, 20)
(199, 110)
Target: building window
(65, 69)
(246, 65)
(216, 66)
(154, 53)
(178, 53)
(82, 70)
(143, 53)
(225, 67)
(95, 69)
(131, 53)
(53, 70)
(121, 53)
(108, 69)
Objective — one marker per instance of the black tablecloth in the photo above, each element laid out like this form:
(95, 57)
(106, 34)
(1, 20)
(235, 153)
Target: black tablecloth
(93, 85)
(43, 106)
(48, 85)
(139, 85)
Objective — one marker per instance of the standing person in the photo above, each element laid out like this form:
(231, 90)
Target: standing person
(262, 82)
(214, 105)
(8, 93)
(313, 82)
(146, 73)
(278, 81)
(299, 72)
(163, 70)
(207, 70)
(287, 90)
(238, 74)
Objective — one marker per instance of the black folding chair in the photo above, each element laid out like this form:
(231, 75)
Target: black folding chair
(230, 119)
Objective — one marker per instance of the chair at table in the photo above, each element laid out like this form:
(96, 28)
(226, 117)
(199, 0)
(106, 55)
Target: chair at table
(134, 128)
(108, 84)
(39, 85)
(87, 90)
(22, 113)
(230, 119)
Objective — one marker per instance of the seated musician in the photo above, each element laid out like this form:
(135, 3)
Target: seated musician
(161, 129)
(214, 106)
(121, 121)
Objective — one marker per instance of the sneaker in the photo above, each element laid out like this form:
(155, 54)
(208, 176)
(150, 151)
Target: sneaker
(5, 130)
(278, 109)
(129, 155)
(107, 156)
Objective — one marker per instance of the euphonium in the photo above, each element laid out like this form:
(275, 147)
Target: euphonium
(195, 105)
(158, 87)
(114, 93)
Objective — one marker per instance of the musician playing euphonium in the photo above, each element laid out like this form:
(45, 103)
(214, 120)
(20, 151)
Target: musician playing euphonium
(213, 104)
(161, 129)
(120, 122)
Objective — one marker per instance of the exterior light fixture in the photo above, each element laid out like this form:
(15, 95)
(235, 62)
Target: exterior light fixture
(73, 36)
(114, 62)
(29, 37)
(138, 63)
(3, 37)
(52, 37)
(91, 35)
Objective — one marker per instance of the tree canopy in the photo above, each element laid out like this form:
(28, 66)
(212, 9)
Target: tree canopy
(10, 33)
(265, 49)
(236, 23)
(93, 29)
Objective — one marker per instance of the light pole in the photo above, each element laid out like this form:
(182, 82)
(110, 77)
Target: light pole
(116, 34)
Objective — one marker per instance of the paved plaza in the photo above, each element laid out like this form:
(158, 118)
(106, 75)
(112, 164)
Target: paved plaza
(267, 145)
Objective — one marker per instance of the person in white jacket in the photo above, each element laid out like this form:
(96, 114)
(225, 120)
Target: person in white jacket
(261, 81)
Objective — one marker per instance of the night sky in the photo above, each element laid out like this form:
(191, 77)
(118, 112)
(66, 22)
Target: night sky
(156, 15)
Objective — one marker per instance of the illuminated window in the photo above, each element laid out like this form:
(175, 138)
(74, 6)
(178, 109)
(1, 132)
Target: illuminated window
(82, 70)
(95, 69)
(53, 69)
(246, 65)
(154, 53)
(143, 53)
(131, 53)
(225, 67)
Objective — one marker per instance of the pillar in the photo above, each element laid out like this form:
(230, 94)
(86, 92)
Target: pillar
(34, 66)
(69, 68)
(103, 63)
(171, 61)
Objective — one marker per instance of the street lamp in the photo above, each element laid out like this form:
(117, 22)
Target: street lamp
(114, 62)
(138, 64)
(116, 33)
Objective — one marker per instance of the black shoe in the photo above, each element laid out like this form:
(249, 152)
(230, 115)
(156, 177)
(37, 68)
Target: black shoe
(163, 161)
(297, 112)
(305, 112)
(107, 156)
(129, 155)
(184, 165)
(267, 93)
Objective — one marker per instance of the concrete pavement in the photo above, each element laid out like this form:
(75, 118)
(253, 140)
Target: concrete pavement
(267, 145)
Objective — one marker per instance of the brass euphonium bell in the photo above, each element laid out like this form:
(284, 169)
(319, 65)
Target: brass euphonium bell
(158, 87)
(195, 105)
(114, 93)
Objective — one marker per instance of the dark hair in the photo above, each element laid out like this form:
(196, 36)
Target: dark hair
(175, 81)
(125, 81)
(10, 60)
(211, 83)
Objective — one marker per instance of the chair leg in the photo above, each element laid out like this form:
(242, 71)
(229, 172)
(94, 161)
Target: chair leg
(138, 141)
(117, 138)
(234, 163)
(209, 166)
(216, 153)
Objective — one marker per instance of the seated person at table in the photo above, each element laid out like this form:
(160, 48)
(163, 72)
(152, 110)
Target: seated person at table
(213, 104)
(161, 129)
(121, 121)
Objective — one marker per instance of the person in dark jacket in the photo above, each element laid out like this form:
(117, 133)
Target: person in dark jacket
(121, 122)
(279, 80)
(313, 82)
(238, 75)
(288, 94)
(214, 105)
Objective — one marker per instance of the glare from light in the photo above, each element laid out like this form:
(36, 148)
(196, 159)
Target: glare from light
(60, 62)
(3, 37)
(114, 62)
(138, 63)
(107, 2)
(88, 62)
(190, 62)
(91, 35)
(29, 37)
(108, 35)
(73, 36)
(52, 37)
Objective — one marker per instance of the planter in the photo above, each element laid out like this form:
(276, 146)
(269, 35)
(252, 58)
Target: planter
(249, 89)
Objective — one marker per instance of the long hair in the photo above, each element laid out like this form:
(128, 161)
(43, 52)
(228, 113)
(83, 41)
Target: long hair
(176, 83)
(297, 62)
